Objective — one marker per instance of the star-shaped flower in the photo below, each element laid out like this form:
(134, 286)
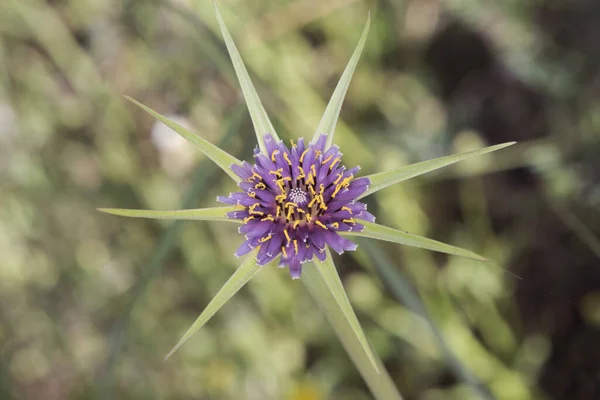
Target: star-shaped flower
(298, 202)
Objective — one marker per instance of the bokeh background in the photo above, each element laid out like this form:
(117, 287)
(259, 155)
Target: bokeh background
(91, 303)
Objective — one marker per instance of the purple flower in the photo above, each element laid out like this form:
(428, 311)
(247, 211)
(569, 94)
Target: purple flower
(295, 201)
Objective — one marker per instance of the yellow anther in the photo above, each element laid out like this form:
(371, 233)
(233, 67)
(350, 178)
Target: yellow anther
(303, 154)
(255, 175)
(296, 246)
(260, 185)
(278, 172)
(286, 158)
(338, 179)
(301, 173)
(322, 225)
(250, 218)
(268, 218)
(321, 188)
(296, 223)
(300, 210)
(312, 190)
(313, 169)
(346, 209)
(327, 160)
(349, 221)
(309, 179)
(290, 204)
(318, 153)
(293, 144)
(314, 199)
(286, 178)
(287, 235)
(335, 225)
(336, 160)
(253, 207)
(275, 152)
(252, 194)
(308, 217)
(337, 189)
(283, 251)
(264, 239)
(280, 197)
(290, 212)
(278, 210)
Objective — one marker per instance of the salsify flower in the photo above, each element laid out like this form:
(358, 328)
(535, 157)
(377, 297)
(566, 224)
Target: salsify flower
(298, 202)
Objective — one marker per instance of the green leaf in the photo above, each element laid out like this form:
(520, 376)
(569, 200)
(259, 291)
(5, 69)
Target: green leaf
(332, 279)
(223, 159)
(200, 214)
(384, 179)
(239, 278)
(376, 231)
(377, 378)
(260, 119)
(332, 111)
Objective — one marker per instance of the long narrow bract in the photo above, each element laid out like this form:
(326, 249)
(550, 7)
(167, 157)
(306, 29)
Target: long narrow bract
(376, 231)
(332, 111)
(260, 119)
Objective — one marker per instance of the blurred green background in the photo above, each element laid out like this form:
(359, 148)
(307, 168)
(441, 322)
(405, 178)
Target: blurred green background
(91, 303)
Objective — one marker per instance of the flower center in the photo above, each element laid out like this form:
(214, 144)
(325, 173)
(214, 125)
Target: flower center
(298, 196)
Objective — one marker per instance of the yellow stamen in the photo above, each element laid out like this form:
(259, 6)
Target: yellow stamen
(296, 246)
(286, 158)
(349, 221)
(280, 197)
(296, 223)
(321, 188)
(335, 225)
(314, 199)
(303, 154)
(336, 160)
(268, 218)
(287, 235)
(290, 204)
(278, 172)
(250, 218)
(293, 144)
(346, 209)
(338, 179)
(322, 225)
(264, 239)
(283, 251)
(327, 160)
(252, 194)
(275, 152)
(260, 185)
(313, 169)
(301, 173)
(255, 175)
(308, 218)
(252, 208)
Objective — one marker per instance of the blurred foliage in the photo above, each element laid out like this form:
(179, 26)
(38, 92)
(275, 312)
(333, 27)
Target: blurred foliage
(90, 303)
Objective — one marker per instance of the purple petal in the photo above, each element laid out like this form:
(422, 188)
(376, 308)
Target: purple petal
(295, 268)
(338, 243)
(244, 171)
(256, 228)
(246, 247)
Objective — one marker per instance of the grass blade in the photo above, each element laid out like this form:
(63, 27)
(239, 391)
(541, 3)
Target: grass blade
(239, 278)
(260, 119)
(332, 111)
(376, 231)
(220, 157)
(377, 379)
(199, 214)
(332, 279)
(384, 179)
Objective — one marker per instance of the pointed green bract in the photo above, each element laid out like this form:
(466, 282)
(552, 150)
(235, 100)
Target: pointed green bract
(223, 159)
(201, 214)
(239, 278)
(260, 119)
(376, 377)
(332, 111)
(384, 179)
(376, 231)
(332, 279)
